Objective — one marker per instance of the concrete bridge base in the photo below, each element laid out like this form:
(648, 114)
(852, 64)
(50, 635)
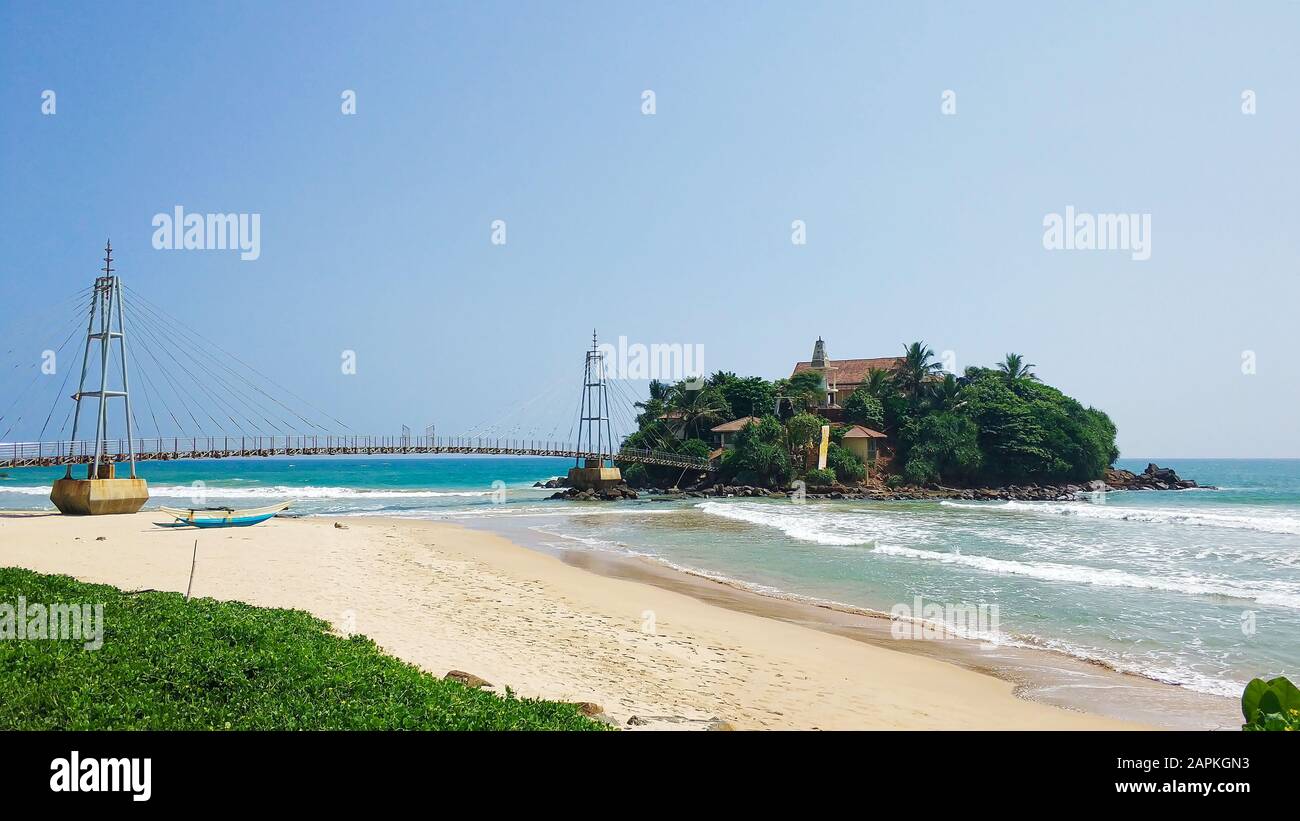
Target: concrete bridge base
(99, 497)
(594, 477)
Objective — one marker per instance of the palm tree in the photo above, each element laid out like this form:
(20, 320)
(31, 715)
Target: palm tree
(688, 409)
(878, 383)
(654, 407)
(946, 394)
(916, 369)
(1015, 369)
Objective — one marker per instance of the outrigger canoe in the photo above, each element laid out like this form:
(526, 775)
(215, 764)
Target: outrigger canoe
(224, 516)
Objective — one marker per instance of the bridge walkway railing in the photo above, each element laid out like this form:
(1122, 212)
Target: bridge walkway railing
(35, 454)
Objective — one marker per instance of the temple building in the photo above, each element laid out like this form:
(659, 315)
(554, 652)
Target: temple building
(841, 377)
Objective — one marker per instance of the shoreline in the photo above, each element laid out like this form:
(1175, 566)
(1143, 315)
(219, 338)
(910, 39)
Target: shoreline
(446, 597)
(1038, 674)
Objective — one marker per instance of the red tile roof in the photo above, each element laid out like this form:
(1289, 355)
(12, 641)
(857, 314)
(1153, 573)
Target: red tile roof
(854, 371)
(735, 424)
(858, 431)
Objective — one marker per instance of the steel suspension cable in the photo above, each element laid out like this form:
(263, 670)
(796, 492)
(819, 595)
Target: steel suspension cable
(185, 329)
(165, 324)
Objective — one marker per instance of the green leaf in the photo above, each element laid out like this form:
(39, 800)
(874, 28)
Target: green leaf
(1288, 694)
(1250, 698)
(1269, 702)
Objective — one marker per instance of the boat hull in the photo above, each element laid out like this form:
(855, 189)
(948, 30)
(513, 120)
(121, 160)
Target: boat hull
(241, 521)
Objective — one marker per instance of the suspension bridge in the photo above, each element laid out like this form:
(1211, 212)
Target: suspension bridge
(201, 402)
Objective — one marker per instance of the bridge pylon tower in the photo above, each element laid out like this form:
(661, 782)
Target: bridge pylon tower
(101, 491)
(595, 435)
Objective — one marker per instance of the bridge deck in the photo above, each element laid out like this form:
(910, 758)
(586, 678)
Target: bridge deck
(45, 454)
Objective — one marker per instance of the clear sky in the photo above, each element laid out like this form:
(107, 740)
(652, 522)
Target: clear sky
(676, 227)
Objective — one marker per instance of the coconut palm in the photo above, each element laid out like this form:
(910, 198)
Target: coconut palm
(878, 383)
(688, 409)
(945, 395)
(1015, 369)
(917, 368)
(653, 407)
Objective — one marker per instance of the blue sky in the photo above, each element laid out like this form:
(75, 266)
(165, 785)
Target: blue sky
(675, 227)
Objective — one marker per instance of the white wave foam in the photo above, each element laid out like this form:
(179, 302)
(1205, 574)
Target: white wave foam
(1261, 522)
(27, 491)
(796, 523)
(309, 492)
(1079, 574)
(504, 511)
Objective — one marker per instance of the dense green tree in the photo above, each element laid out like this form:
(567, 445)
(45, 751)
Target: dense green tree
(941, 445)
(1033, 432)
(799, 393)
(806, 389)
(801, 431)
(993, 426)
(760, 457)
(864, 408)
(748, 396)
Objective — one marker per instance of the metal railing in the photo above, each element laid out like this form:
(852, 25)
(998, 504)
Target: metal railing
(36, 454)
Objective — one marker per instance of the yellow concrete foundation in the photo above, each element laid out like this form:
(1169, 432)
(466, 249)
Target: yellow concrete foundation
(594, 478)
(98, 497)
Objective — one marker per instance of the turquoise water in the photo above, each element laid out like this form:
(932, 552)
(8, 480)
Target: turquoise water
(1199, 588)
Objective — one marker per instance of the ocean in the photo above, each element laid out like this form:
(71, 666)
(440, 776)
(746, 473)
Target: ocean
(1198, 588)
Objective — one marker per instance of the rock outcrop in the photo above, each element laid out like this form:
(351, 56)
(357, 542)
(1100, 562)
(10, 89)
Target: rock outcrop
(1153, 478)
(468, 679)
(610, 494)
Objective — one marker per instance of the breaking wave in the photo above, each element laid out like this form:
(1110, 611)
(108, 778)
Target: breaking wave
(1263, 523)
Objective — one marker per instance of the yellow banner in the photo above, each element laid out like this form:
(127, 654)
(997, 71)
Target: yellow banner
(826, 443)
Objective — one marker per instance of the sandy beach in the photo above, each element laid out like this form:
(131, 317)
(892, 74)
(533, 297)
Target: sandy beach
(448, 598)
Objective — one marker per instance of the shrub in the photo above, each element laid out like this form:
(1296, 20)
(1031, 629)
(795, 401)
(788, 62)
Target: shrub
(802, 430)
(845, 464)
(919, 471)
(819, 477)
(1271, 705)
(171, 664)
(635, 475)
(760, 456)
